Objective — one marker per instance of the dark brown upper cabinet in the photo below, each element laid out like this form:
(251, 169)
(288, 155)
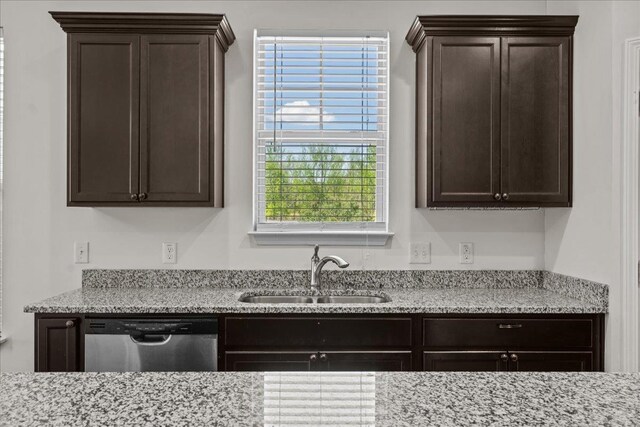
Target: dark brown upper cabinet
(493, 110)
(145, 108)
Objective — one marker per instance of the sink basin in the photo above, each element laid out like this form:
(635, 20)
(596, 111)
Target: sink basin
(277, 299)
(351, 299)
(306, 299)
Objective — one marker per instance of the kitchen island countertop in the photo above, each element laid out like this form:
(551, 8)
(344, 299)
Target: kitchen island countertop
(383, 399)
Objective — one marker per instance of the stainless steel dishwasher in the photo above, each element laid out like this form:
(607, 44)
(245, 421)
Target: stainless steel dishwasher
(139, 345)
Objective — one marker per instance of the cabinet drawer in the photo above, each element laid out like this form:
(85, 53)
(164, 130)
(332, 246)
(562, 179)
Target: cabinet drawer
(507, 333)
(317, 332)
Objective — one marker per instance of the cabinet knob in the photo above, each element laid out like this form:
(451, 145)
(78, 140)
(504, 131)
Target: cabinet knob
(313, 357)
(514, 357)
(504, 357)
(505, 196)
(69, 324)
(497, 196)
(134, 197)
(142, 196)
(323, 357)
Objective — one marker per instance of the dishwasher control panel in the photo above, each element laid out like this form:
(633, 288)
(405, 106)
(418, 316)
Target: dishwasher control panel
(151, 326)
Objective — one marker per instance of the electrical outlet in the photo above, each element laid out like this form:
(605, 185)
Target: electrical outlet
(420, 253)
(81, 252)
(169, 253)
(466, 253)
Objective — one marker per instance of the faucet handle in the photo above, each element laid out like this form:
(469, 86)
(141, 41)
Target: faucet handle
(315, 252)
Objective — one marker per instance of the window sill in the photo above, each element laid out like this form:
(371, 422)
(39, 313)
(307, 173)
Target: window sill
(332, 238)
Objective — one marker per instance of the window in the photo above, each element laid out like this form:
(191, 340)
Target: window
(321, 134)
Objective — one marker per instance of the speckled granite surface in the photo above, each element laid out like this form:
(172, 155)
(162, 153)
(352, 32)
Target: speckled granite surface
(411, 291)
(399, 399)
(225, 300)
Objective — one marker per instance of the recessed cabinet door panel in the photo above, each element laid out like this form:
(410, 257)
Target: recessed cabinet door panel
(535, 119)
(551, 361)
(103, 118)
(365, 361)
(465, 119)
(473, 361)
(57, 345)
(270, 361)
(174, 141)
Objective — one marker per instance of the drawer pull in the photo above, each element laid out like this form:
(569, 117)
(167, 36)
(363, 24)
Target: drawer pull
(510, 325)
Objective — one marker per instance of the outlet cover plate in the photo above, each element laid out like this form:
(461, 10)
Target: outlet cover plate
(466, 253)
(169, 253)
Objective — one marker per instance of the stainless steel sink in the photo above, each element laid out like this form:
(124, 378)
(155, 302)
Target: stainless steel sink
(352, 299)
(277, 299)
(305, 299)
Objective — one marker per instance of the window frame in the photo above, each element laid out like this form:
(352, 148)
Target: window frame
(353, 233)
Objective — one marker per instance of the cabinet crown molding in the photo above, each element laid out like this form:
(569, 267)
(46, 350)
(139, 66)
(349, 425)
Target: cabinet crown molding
(147, 23)
(487, 25)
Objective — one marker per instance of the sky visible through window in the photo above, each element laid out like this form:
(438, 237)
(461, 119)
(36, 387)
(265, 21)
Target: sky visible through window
(321, 125)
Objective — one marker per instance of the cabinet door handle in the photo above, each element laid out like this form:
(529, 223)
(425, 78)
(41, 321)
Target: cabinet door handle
(313, 357)
(69, 324)
(504, 357)
(134, 197)
(323, 357)
(142, 196)
(505, 196)
(509, 325)
(497, 196)
(514, 357)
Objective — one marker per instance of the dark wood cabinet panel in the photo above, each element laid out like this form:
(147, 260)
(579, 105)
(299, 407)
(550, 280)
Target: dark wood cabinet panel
(146, 108)
(508, 333)
(317, 332)
(535, 119)
(475, 361)
(465, 131)
(365, 361)
(579, 361)
(174, 118)
(270, 361)
(103, 117)
(493, 110)
(58, 346)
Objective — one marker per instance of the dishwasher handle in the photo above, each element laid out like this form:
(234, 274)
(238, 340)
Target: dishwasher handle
(151, 340)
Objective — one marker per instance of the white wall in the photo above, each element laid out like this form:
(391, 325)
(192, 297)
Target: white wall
(584, 241)
(39, 230)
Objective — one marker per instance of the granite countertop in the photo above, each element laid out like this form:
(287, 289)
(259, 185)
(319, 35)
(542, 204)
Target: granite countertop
(225, 300)
(383, 399)
(410, 291)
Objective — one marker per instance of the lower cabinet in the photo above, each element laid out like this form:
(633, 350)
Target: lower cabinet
(318, 361)
(58, 343)
(380, 342)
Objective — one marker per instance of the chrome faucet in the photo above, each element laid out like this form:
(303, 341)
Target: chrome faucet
(317, 264)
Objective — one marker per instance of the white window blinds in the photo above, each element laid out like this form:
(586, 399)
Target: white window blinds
(321, 132)
(320, 398)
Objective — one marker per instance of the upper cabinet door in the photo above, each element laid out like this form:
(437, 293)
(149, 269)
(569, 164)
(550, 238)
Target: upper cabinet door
(103, 118)
(174, 137)
(465, 119)
(536, 122)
